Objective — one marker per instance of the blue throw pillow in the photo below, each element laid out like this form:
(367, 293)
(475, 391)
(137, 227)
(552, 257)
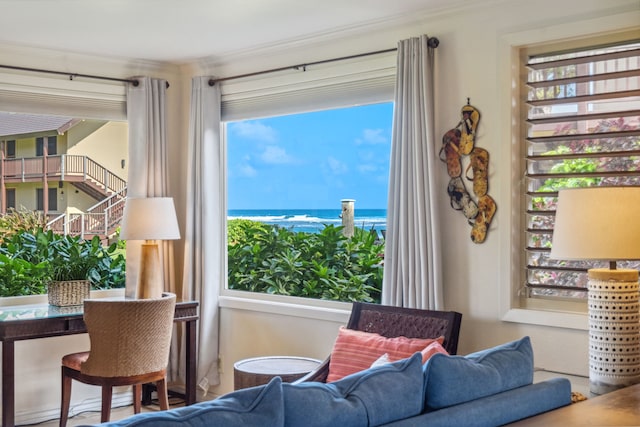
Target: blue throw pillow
(451, 380)
(372, 397)
(312, 404)
(257, 406)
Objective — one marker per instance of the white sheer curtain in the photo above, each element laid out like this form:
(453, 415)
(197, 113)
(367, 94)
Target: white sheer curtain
(205, 233)
(412, 262)
(148, 172)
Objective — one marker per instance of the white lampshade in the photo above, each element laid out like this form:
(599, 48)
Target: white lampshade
(597, 223)
(149, 218)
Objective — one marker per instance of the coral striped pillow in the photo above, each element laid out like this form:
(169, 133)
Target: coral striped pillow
(355, 351)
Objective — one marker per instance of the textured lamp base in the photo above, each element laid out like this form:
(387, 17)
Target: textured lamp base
(614, 329)
(150, 276)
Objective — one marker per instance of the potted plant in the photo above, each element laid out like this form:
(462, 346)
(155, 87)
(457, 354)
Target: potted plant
(73, 264)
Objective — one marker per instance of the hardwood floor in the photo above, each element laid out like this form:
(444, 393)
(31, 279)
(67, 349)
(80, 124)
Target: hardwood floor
(93, 417)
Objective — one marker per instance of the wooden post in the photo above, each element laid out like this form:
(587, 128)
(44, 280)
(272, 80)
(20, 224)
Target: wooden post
(347, 216)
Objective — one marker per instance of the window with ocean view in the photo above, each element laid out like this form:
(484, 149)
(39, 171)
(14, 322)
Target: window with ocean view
(287, 178)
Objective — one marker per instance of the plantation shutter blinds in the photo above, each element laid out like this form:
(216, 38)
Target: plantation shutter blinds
(364, 80)
(583, 113)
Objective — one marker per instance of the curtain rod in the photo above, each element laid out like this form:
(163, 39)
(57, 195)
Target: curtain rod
(134, 82)
(432, 42)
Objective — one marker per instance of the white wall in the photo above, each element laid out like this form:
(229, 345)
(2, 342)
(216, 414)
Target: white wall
(473, 61)
(105, 143)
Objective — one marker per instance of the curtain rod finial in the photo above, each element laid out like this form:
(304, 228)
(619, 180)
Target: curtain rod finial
(433, 42)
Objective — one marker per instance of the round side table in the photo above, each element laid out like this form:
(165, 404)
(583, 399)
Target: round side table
(260, 370)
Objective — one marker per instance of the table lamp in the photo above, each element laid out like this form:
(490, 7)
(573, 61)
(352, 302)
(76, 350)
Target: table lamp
(603, 223)
(150, 219)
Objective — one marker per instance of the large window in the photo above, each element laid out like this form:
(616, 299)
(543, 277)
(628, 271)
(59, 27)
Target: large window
(77, 200)
(298, 145)
(583, 129)
(293, 174)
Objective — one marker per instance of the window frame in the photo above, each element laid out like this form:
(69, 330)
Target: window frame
(367, 80)
(611, 29)
(615, 165)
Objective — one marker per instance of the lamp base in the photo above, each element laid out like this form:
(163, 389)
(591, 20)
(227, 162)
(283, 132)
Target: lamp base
(614, 329)
(150, 275)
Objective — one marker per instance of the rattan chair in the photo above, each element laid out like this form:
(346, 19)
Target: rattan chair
(393, 322)
(130, 342)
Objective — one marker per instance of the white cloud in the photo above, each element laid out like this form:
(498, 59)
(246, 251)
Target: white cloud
(247, 171)
(254, 130)
(336, 166)
(367, 168)
(276, 155)
(372, 136)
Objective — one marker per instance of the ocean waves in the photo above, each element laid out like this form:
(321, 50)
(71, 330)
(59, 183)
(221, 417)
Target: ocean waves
(312, 220)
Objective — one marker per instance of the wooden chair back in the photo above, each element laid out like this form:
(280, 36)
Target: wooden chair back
(391, 322)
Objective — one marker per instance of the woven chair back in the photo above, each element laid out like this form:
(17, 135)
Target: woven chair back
(128, 337)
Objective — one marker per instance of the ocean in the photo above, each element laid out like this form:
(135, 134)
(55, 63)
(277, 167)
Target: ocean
(312, 220)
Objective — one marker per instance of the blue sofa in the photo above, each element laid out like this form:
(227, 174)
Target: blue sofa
(488, 388)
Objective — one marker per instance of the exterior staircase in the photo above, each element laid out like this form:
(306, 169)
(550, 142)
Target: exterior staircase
(102, 219)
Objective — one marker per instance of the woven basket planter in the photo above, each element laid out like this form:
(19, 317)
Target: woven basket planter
(72, 292)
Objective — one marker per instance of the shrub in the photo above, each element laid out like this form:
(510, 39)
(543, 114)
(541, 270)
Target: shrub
(15, 221)
(325, 265)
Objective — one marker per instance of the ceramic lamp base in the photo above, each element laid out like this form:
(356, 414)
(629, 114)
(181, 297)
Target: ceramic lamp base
(614, 329)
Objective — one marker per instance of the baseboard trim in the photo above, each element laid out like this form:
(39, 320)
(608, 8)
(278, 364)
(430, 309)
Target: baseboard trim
(92, 404)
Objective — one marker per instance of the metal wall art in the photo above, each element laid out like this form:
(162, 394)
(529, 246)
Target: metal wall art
(458, 147)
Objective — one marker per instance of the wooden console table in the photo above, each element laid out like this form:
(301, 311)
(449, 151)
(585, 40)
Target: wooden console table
(260, 370)
(618, 408)
(27, 322)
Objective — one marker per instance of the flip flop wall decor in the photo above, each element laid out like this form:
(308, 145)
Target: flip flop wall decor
(457, 144)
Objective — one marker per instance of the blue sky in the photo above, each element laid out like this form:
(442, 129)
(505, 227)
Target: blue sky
(311, 160)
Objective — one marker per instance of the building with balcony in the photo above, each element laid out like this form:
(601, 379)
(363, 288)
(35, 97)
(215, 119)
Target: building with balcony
(72, 170)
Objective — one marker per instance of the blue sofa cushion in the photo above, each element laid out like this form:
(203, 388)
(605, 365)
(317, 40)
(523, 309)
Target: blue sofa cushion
(498, 409)
(369, 398)
(451, 380)
(256, 406)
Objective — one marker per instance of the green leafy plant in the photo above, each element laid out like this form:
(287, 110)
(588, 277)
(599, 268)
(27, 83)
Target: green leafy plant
(325, 265)
(21, 277)
(29, 260)
(71, 258)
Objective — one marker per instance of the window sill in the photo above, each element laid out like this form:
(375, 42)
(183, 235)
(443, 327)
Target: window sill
(286, 306)
(554, 319)
(44, 299)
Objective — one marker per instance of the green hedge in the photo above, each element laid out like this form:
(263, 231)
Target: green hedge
(325, 265)
(262, 258)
